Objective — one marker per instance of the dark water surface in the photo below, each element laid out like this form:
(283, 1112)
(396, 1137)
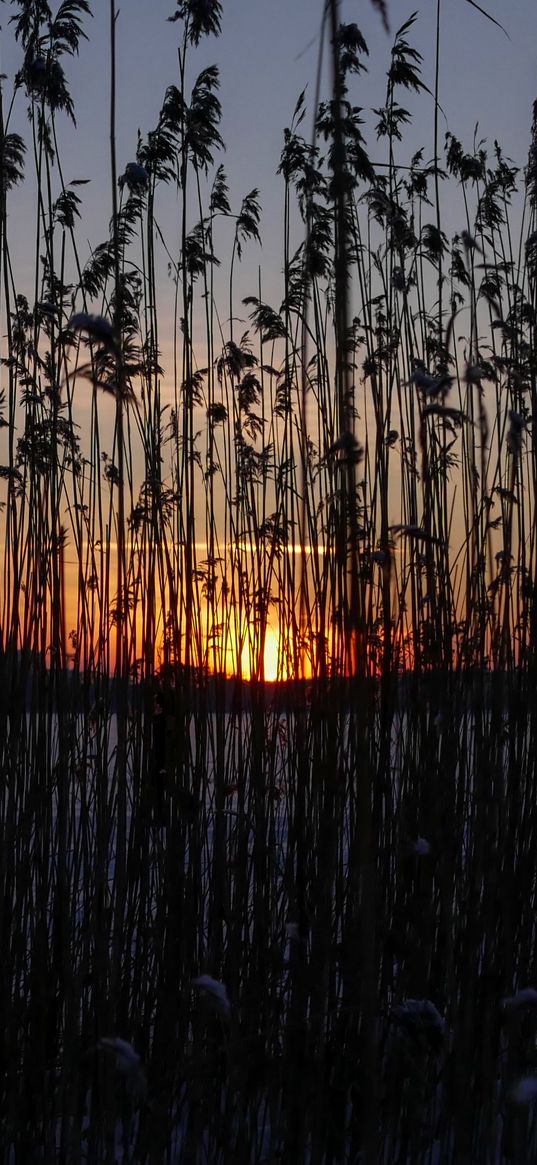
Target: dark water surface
(359, 874)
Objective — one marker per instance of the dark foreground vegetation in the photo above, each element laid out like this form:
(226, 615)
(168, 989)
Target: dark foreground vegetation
(360, 878)
(241, 921)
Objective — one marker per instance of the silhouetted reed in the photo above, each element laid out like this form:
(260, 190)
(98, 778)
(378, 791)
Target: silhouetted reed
(240, 919)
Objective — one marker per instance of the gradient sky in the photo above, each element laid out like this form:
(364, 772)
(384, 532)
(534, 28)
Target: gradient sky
(267, 53)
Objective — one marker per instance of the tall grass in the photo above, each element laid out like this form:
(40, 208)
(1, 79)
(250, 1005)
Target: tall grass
(351, 850)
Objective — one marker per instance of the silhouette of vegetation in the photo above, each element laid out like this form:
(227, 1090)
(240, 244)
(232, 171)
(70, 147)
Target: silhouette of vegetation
(268, 631)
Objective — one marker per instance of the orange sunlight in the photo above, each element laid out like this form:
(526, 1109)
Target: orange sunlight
(226, 647)
(274, 662)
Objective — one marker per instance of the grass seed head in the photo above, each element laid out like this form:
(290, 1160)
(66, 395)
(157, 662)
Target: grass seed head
(135, 177)
(526, 997)
(128, 1063)
(431, 386)
(421, 1022)
(216, 992)
(96, 327)
(524, 1091)
(348, 446)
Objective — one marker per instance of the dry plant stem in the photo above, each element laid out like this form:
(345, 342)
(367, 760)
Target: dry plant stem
(122, 656)
(347, 550)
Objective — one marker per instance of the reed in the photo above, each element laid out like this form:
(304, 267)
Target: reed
(243, 919)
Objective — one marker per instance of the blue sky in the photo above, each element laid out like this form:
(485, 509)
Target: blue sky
(267, 54)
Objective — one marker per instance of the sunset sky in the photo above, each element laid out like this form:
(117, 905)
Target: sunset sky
(267, 54)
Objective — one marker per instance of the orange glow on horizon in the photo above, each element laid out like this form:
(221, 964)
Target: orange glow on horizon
(275, 660)
(220, 641)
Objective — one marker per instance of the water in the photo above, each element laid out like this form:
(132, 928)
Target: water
(277, 830)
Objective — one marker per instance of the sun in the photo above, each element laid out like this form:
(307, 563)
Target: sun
(272, 661)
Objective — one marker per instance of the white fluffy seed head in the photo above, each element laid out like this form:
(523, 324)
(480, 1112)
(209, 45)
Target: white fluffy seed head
(216, 992)
(128, 1063)
(524, 1091)
(526, 997)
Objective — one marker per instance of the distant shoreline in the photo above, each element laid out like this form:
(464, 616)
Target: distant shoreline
(23, 685)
